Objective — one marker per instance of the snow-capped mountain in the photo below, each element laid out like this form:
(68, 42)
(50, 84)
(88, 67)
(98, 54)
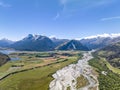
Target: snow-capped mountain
(43, 43)
(100, 41)
(34, 43)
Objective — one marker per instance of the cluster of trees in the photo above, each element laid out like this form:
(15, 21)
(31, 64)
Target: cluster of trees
(109, 82)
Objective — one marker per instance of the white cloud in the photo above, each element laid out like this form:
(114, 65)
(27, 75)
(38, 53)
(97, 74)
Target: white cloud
(66, 8)
(2, 4)
(52, 36)
(104, 35)
(110, 18)
(64, 1)
(57, 16)
(78, 38)
(85, 3)
(70, 7)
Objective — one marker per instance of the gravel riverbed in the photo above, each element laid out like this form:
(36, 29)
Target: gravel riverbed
(64, 78)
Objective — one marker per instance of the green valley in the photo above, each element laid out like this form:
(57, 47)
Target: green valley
(34, 69)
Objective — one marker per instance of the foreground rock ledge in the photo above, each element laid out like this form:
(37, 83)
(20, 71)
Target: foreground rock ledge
(64, 78)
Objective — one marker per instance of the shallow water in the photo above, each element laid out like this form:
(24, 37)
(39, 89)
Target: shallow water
(7, 51)
(15, 58)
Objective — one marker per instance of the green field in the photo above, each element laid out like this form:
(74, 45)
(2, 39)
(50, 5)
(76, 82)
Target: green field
(37, 78)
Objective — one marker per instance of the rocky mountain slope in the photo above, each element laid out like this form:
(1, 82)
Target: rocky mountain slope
(58, 42)
(72, 45)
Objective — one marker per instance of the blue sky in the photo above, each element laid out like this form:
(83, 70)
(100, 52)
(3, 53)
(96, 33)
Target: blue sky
(61, 18)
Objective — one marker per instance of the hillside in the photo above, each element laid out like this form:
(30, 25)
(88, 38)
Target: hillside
(108, 79)
(112, 54)
(72, 45)
(3, 59)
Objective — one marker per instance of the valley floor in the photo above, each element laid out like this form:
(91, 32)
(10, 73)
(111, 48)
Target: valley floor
(37, 78)
(59, 71)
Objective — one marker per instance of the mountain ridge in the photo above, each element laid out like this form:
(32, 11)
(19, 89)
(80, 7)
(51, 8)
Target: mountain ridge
(43, 43)
(72, 45)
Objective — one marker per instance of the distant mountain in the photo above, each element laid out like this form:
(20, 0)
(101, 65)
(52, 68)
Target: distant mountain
(58, 42)
(5, 42)
(99, 42)
(72, 45)
(43, 43)
(34, 43)
(3, 59)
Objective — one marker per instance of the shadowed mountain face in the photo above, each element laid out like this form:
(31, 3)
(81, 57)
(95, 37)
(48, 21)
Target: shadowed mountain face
(112, 54)
(34, 43)
(72, 45)
(3, 59)
(99, 42)
(58, 42)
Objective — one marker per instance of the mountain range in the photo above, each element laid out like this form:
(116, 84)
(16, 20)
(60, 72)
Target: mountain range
(99, 42)
(43, 43)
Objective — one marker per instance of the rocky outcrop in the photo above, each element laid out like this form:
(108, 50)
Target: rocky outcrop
(3, 59)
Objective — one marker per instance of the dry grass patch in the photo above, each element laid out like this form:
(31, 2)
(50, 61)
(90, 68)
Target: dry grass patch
(81, 82)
